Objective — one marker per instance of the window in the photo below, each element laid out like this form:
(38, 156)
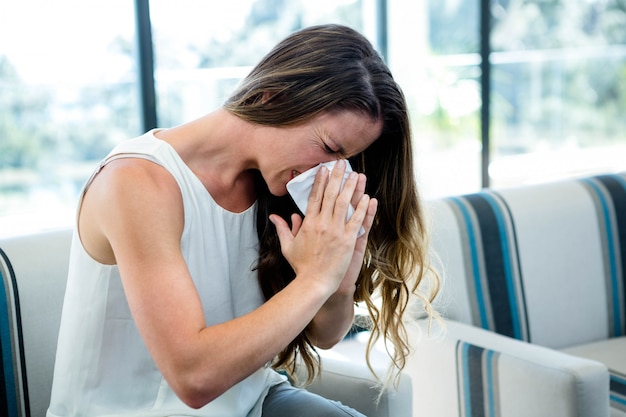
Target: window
(202, 51)
(434, 55)
(558, 89)
(67, 93)
(69, 85)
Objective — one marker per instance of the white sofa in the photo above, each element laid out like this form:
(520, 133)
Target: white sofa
(534, 297)
(33, 271)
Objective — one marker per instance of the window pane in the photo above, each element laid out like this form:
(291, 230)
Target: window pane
(67, 92)
(202, 51)
(558, 89)
(433, 53)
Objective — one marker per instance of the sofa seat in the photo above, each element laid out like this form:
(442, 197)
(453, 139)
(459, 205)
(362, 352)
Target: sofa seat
(611, 353)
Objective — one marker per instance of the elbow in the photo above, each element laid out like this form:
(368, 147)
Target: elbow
(197, 379)
(324, 339)
(194, 397)
(326, 342)
(197, 392)
(193, 400)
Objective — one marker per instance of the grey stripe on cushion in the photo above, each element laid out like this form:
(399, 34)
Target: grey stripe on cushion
(13, 385)
(491, 257)
(477, 381)
(609, 195)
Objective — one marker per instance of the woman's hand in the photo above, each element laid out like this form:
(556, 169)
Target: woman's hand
(324, 245)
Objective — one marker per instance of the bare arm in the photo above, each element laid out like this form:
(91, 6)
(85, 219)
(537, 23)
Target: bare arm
(140, 223)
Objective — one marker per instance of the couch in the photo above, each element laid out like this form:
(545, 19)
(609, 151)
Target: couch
(33, 271)
(533, 299)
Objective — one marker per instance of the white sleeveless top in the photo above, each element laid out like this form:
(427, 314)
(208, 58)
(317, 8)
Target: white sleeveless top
(102, 366)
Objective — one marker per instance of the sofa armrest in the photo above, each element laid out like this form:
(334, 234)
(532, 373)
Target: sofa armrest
(345, 377)
(469, 370)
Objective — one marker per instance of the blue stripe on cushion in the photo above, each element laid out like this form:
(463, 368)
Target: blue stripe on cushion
(490, 369)
(474, 261)
(8, 404)
(477, 389)
(507, 263)
(616, 185)
(473, 380)
(618, 391)
(609, 193)
(493, 262)
(15, 385)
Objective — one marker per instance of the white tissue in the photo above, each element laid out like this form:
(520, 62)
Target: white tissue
(299, 188)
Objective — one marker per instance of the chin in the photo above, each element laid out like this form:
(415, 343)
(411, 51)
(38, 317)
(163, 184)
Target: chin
(278, 191)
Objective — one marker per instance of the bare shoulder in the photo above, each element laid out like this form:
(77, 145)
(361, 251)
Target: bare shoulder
(127, 173)
(124, 203)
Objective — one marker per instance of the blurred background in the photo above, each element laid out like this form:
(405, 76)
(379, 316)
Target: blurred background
(501, 93)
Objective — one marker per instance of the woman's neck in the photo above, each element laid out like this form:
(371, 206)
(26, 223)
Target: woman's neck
(218, 149)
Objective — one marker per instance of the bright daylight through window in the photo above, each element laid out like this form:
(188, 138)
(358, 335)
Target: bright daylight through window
(69, 85)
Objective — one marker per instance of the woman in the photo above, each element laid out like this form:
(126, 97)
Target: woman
(190, 270)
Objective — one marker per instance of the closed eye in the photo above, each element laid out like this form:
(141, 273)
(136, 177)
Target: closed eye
(328, 149)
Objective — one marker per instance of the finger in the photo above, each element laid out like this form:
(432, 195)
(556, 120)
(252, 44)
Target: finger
(282, 230)
(333, 188)
(358, 217)
(368, 221)
(346, 196)
(359, 190)
(317, 191)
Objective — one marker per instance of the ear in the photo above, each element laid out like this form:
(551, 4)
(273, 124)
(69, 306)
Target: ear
(267, 96)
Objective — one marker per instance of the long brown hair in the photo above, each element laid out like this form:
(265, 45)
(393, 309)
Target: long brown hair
(325, 68)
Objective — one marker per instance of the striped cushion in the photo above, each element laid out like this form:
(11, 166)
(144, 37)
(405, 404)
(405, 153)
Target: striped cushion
(545, 264)
(618, 391)
(494, 284)
(518, 251)
(13, 386)
(609, 195)
(477, 379)
(473, 372)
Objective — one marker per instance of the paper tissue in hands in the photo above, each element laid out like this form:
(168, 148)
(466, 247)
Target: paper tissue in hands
(299, 188)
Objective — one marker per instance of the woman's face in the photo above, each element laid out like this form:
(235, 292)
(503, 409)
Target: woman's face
(326, 137)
